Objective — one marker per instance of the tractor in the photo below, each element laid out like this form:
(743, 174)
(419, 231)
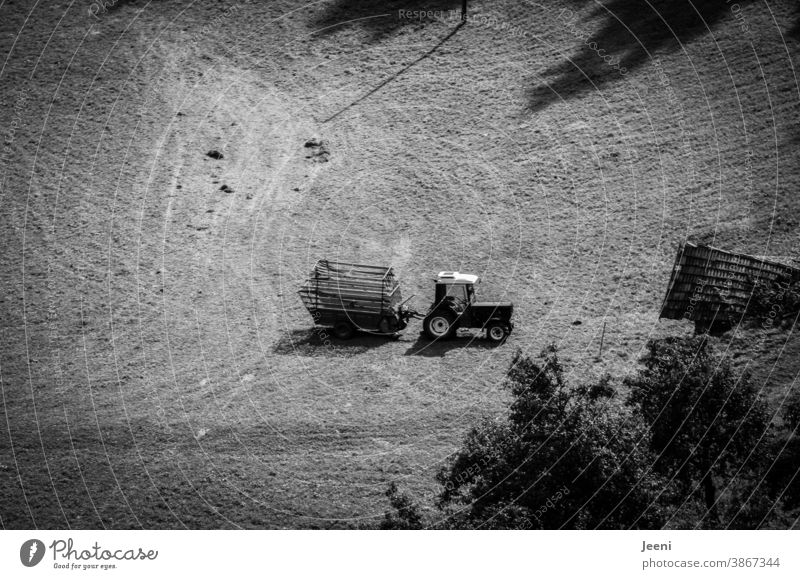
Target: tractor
(455, 307)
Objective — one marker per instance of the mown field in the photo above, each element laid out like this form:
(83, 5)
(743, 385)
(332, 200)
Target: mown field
(157, 367)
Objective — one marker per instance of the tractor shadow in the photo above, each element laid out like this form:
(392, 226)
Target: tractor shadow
(428, 348)
(320, 342)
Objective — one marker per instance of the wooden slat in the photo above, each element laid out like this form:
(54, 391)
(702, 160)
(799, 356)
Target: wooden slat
(344, 265)
(354, 279)
(345, 283)
(347, 288)
(348, 302)
(705, 281)
(340, 287)
(339, 307)
(350, 269)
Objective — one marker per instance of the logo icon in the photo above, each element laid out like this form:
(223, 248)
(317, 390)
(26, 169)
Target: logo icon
(31, 552)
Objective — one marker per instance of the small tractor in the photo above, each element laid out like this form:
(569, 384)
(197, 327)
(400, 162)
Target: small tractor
(347, 297)
(455, 307)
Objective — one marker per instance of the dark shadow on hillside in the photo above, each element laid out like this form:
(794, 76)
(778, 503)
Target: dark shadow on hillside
(632, 34)
(380, 18)
(795, 31)
(321, 342)
(428, 348)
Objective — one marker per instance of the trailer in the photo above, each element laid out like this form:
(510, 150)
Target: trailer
(348, 297)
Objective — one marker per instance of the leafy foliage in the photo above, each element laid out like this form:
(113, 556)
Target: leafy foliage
(563, 458)
(405, 514)
(705, 420)
(771, 301)
(690, 444)
(783, 478)
(791, 410)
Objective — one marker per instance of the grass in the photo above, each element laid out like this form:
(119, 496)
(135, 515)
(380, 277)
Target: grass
(143, 306)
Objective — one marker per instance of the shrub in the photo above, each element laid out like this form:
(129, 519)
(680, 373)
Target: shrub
(706, 421)
(563, 458)
(405, 514)
(771, 301)
(783, 478)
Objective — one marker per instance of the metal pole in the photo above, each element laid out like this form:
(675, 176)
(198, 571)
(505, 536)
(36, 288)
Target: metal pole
(602, 337)
(463, 10)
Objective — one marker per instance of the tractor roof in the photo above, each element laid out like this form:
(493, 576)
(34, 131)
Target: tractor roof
(451, 277)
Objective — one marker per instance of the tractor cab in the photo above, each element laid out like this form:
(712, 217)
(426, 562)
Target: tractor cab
(455, 306)
(455, 286)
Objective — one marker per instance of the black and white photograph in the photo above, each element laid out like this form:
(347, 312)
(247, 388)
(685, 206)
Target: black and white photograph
(404, 265)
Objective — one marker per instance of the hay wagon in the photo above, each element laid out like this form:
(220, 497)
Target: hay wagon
(348, 297)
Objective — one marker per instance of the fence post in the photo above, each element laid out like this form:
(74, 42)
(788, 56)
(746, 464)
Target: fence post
(602, 337)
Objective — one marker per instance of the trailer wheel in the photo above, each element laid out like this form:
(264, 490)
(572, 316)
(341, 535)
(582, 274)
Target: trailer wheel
(496, 332)
(343, 330)
(439, 326)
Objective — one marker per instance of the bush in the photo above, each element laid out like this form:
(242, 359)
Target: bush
(771, 301)
(707, 422)
(563, 458)
(791, 410)
(783, 478)
(687, 447)
(405, 515)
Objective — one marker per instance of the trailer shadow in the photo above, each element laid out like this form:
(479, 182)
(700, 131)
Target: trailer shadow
(320, 342)
(424, 346)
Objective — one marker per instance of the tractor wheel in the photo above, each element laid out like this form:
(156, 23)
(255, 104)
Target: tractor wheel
(343, 330)
(496, 332)
(439, 326)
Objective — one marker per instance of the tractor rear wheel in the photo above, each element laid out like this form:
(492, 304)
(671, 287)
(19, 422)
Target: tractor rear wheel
(496, 332)
(439, 325)
(343, 330)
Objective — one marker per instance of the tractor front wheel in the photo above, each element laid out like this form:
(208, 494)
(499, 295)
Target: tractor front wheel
(496, 332)
(439, 326)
